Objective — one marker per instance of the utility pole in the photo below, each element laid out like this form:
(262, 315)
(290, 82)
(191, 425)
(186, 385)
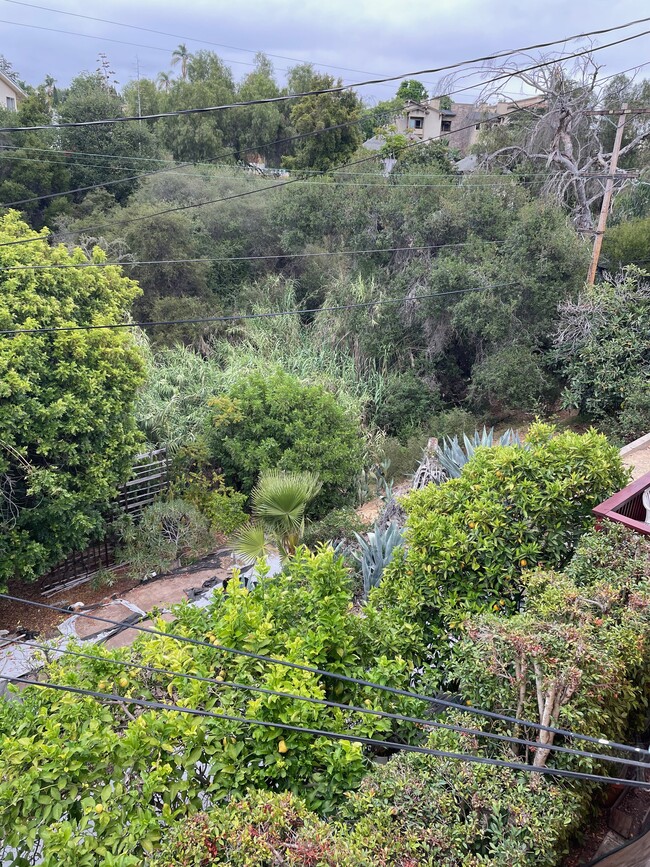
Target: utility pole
(137, 67)
(607, 197)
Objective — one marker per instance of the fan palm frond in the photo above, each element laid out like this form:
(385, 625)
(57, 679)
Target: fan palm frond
(250, 543)
(280, 499)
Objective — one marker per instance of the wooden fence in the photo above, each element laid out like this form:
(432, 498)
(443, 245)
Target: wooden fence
(150, 477)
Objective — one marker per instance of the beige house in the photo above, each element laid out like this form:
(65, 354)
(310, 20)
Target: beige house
(10, 93)
(462, 122)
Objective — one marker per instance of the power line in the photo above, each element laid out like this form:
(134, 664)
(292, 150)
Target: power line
(342, 736)
(340, 88)
(196, 642)
(127, 264)
(244, 316)
(335, 704)
(188, 38)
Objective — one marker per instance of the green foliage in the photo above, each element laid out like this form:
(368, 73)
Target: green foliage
(578, 652)
(453, 423)
(168, 534)
(470, 539)
(414, 811)
(411, 89)
(277, 421)
(633, 419)
(340, 525)
(219, 503)
(312, 113)
(626, 244)
(279, 502)
(402, 458)
(603, 346)
(91, 97)
(67, 434)
(62, 756)
(406, 403)
(375, 554)
(510, 379)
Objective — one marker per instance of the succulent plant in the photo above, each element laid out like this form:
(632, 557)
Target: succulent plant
(453, 456)
(376, 553)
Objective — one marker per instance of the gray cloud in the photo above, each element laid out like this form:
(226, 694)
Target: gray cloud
(376, 36)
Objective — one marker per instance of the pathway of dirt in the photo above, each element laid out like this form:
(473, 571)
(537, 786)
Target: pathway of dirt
(636, 455)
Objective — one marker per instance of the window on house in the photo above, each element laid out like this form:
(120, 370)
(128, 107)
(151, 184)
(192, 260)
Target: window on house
(416, 122)
(11, 103)
(445, 126)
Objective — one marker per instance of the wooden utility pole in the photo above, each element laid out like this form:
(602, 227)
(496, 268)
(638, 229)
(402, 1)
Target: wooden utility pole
(607, 197)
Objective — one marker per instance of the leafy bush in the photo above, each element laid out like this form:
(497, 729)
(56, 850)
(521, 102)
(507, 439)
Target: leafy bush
(470, 539)
(221, 504)
(634, 417)
(340, 525)
(406, 403)
(603, 346)
(511, 379)
(276, 421)
(168, 534)
(579, 654)
(64, 756)
(416, 810)
(452, 422)
(67, 432)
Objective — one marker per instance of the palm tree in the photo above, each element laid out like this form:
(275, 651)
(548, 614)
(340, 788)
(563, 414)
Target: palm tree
(279, 503)
(164, 81)
(181, 55)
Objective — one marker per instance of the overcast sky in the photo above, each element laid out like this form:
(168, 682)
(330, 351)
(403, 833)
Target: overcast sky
(369, 36)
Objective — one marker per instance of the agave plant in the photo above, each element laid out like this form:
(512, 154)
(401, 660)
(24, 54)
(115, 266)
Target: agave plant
(453, 456)
(376, 553)
(279, 501)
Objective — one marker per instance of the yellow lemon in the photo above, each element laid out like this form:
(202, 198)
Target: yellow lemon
(523, 562)
(282, 747)
(99, 808)
(124, 682)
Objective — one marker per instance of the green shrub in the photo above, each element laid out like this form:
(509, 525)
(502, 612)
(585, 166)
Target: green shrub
(62, 755)
(260, 830)
(276, 421)
(580, 651)
(337, 526)
(402, 458)
(452, 422)
(511, 379)
(221, 504)
(603, 350)
(406, 403)
(168, 534)
(470, 539)
(634, 417)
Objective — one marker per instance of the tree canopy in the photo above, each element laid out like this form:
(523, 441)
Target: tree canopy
(67, 430)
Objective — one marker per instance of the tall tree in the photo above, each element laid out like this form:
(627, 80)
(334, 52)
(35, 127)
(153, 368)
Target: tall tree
(313, 114)
(90, 97)
(412, 90)
(31, 166)
(67, 431)
(181, 55)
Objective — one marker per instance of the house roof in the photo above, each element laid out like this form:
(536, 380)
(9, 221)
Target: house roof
(12, 84)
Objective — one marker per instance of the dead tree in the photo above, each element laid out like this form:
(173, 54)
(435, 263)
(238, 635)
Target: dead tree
(557, 135)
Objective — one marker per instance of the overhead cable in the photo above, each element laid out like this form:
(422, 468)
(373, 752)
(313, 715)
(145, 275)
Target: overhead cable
(341, 736)
(339, 88)
(397, 717)
(197, 642)
(236, 317)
